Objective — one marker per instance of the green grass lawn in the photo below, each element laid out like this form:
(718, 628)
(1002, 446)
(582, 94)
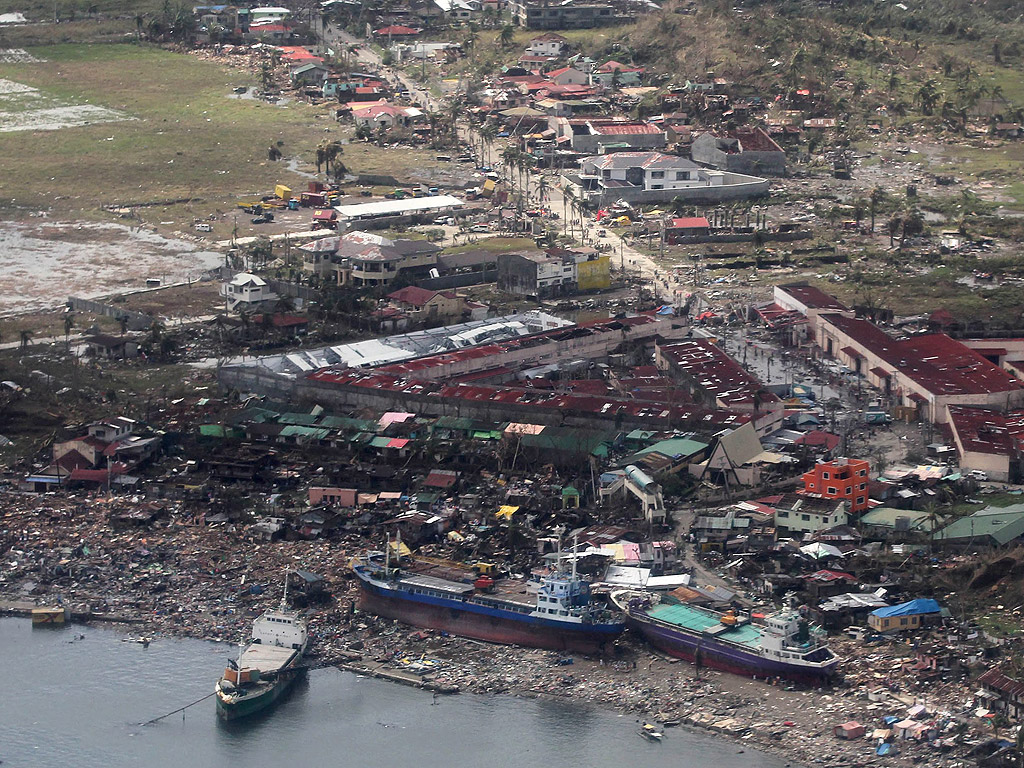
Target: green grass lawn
(496, 245)
(187, 138)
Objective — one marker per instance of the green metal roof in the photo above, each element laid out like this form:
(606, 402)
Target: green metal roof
(297, 430)
(344, 422)
(695, 619)
(571, 441)
(253, 415)
(886, 517)
(1001, 524)
(380, 441)
(675, 446)
(305, 419)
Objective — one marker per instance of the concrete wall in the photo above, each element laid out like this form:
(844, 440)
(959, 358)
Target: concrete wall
(293, 290)
(460, 280)
(748, 237)
(333, 396)
(705, 150)
(736, 187)
(137, 321)
(265, 382)
(933, 408)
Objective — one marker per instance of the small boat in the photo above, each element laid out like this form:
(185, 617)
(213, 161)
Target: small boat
(650, 732)
(50, 616)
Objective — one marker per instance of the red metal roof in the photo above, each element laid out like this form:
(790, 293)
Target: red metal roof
(713, 371)
(813, 298)
(441, 478)
(691, 222)
(995, 679)
(412, 294)
(616, 129)
(937, 363)
(987, 430)
(396, 30)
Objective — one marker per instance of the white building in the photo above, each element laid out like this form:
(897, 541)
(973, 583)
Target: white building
(797, 514)
(268, 15)
(246, 291)
(656, 177)
(460, 9)
(646, 170)
(548, 44)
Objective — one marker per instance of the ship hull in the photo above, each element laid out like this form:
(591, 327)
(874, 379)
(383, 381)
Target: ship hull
(259, 701)
(727, 658)
(455, 619)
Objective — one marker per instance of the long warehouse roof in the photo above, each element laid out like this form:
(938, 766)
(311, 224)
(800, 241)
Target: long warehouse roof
(389, 207)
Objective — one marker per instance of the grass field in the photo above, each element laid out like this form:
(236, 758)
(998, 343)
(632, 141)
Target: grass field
(186, 138)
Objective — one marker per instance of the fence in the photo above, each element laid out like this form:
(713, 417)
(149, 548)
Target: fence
(137, 321)
(459, 280)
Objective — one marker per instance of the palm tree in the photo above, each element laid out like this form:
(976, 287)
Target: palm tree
(526, 163)
(453, 114)
(875, 200)
(568, 201)
(327, 151)
(507, 35)
(928, 96)
(510, 159)
(488, 133)
(911, 223)
(69, 323)
(543, 185)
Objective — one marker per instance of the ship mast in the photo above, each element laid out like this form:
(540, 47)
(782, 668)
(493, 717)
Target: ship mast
(575, 541)
(284, 595)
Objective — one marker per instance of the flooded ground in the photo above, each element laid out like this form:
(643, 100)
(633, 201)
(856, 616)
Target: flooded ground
(44, 262)
(25, 108)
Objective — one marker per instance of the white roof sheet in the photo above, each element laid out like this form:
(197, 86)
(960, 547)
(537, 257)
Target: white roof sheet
(409, 205)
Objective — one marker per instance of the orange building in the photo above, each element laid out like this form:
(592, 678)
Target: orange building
(845, 479)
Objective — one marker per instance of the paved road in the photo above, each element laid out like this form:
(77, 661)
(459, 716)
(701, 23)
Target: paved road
(638, 264)
(656, 279)
(366, 55)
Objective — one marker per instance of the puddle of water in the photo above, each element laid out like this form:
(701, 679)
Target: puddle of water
(45, 262)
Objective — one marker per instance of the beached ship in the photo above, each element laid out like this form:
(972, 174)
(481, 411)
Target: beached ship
(560, 615)
(267, 665)
(784, 646)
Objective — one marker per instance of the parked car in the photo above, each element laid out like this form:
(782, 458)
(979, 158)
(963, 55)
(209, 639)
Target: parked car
(978, 474)
(203, 227)
(260, 220)
(479, 228)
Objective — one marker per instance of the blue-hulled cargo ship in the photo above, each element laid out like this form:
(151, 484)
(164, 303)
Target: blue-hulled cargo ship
(786, 645)
(562, 615)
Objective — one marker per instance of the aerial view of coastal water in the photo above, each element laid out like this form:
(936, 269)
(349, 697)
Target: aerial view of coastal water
(79, 702)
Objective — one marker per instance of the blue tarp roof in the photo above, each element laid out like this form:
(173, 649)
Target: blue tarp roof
(912, 608)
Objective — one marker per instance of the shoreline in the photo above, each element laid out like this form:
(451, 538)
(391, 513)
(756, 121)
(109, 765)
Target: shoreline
(636, 681)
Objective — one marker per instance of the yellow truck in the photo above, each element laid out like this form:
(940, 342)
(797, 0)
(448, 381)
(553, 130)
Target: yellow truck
(283, 192)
